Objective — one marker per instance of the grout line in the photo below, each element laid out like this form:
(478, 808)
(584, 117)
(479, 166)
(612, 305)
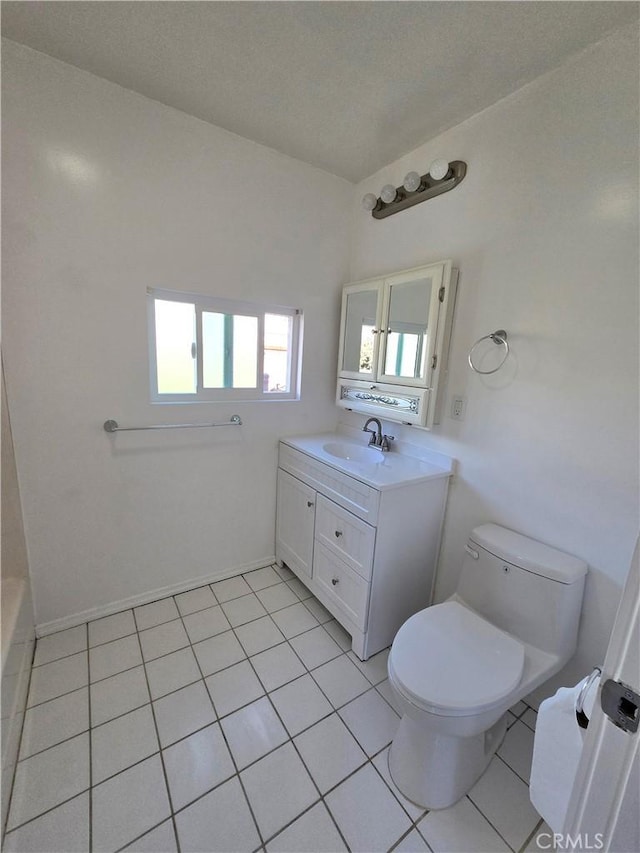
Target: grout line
(398, 793)
(231, 755)
(530, 837)
(13, 775)
(35, 667)
(146, 832)
(53, 746)
(216, 603)
(155, 723)
(176, 690)
(163, 598)
(112, 640)
(58, 742)
(137, 633)
(290, 738)
(411, 829)
(515, 772)
(53, 808)
(297, 751)
(124, 770)
(190, 644)
(336, 709)
(90, 739)
(369, 759)
(491, 824)
(266, 695)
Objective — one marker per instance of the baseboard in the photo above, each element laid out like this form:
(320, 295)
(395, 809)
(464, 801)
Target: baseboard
(75, 619)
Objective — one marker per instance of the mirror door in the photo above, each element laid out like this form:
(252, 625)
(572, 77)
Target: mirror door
(411, 303)
(361, 324)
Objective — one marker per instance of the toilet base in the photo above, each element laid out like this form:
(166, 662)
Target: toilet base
(434, 770)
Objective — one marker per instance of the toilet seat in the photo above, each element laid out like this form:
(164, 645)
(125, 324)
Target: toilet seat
(450, 661)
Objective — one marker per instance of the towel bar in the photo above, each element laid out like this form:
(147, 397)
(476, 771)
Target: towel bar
(112, 426)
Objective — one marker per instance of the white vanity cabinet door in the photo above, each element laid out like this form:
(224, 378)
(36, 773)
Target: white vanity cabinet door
(350, 539)
(346, 589)
(295, 517)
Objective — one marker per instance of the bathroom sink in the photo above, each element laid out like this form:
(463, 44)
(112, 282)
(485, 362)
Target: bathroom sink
(371, 466)
(352, 452)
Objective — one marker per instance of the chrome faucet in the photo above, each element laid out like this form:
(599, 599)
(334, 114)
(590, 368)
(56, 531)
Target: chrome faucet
(377, 439)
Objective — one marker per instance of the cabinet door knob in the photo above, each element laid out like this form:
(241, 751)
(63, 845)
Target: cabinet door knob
(338, 533)
(309, 503)
(335, 581)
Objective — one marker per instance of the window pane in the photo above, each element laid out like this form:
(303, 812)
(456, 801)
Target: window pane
(175, 337)
(229, 350)
(213, 351)
(277, 352)
(245, 352)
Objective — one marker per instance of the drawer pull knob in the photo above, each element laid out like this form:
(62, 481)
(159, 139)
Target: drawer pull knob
(309, 503)
(335, 581)
(338, 534)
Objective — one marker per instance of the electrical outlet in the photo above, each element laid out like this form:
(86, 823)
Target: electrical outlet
(458, 406)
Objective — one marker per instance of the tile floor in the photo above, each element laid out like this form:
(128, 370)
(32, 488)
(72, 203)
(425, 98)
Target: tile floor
(234, 717)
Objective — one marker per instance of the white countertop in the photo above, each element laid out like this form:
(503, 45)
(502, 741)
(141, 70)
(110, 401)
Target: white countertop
(373, 467)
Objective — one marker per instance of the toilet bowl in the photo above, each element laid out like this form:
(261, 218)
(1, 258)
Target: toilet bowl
(457, 667)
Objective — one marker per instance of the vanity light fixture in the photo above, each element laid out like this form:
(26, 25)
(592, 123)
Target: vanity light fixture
(441, 177)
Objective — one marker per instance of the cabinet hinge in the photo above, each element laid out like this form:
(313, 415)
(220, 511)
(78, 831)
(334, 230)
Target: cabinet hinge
(441, 293)
(434, 361)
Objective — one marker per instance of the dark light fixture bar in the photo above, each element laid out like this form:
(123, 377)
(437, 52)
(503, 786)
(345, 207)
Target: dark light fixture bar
(416, 188)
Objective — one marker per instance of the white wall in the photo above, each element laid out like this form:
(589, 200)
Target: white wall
(544, 230)
(105, 194)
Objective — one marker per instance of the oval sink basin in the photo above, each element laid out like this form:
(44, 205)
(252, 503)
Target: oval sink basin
(352, 452)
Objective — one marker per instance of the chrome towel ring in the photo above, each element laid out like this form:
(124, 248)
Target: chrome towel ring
(499, 337)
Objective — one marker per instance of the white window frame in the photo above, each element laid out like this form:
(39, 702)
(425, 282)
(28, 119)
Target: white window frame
(225, 306)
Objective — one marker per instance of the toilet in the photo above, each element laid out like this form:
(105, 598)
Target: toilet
(457, 667)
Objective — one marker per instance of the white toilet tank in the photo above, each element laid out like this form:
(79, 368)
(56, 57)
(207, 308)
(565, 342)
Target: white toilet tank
(528, 589)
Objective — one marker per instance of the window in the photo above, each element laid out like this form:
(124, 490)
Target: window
(204, 348)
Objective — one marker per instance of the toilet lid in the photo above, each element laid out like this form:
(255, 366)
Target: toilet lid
(449, 659)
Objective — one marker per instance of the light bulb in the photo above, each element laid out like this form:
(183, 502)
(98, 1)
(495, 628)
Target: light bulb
(369, 201)
(439, 169)
(412, 182)
(388, 193)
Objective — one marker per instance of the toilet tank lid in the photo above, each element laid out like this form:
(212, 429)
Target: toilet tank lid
(529, 554)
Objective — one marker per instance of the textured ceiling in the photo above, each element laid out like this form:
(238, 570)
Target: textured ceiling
(348, 87)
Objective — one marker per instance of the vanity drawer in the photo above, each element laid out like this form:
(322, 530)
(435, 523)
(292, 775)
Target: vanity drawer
(348, 537)
(357, 497)
(347, 589)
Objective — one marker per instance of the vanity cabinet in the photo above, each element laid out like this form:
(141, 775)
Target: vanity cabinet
(295, 522)
(367, 553)
(394, 341)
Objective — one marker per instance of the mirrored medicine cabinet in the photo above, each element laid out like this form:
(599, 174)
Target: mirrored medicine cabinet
(394, 339)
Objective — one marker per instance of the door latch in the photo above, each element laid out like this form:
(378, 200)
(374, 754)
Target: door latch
(621, 704)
